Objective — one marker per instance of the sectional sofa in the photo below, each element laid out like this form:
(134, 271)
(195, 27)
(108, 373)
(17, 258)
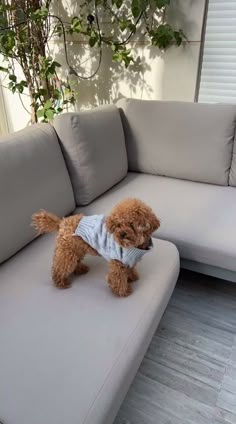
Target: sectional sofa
(70, 356)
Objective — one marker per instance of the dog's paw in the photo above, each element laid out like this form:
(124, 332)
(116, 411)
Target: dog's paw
(81, 269)
(122, 291)
(133, 275)
(63, 284)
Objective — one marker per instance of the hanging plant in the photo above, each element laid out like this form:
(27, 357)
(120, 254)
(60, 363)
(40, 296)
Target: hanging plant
(26, 26)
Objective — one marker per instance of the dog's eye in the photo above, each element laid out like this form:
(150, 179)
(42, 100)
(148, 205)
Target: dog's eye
(131, 226)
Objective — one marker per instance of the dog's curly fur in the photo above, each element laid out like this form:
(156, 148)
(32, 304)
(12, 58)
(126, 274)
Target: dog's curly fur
(131, 218)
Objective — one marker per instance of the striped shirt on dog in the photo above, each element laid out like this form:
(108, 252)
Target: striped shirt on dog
(92, 229)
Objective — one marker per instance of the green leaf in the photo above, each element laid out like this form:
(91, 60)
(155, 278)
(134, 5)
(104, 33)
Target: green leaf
(39, 93)
(12, 77)
(48, 104)
(92, 41)
(182, 34)
(163, 36)
(57, 64)
(57, 30)
(50, 75)
(137, 7)
(42, 91)
(7, 42)
(72, 100)
(2, 69)
(162, 3)
(40, 14)
(123, 25)
(132, 27)
(76, 24)
(178, 38)
(50, 114)
(118, 3)
(20, 88)
(40, 113)
(57, 94)
(117, 57)
(93, 38)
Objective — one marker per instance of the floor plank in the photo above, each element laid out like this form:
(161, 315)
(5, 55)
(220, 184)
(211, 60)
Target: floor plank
(188, 375)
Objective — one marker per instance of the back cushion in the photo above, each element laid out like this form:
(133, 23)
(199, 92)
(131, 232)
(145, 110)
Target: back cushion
(192, 141)
(33, 176)
(94, 148)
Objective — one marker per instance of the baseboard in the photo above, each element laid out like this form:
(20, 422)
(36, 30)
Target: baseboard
(214, 271)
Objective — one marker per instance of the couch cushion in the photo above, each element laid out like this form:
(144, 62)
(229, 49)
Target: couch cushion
(33, 175)
(191, 141)
(69, 356)
(94, 148)
(198, 218)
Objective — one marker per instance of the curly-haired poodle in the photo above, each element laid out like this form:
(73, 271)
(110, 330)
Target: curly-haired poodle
(122, 238)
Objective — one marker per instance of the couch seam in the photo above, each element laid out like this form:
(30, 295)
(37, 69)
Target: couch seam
(232, 152)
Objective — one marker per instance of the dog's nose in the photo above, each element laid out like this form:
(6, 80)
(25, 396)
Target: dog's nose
(122, 234)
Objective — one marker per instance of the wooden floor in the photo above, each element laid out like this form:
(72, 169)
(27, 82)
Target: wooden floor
(188, 375)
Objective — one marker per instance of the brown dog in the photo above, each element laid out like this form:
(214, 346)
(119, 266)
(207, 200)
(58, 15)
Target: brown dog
(122, 238)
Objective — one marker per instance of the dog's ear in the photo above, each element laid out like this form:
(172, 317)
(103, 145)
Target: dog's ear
(110, 224)
(155, 223)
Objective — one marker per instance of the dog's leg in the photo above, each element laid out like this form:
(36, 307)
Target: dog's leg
(132, 275)
(81, 268)
(118, 279)
(64, 264)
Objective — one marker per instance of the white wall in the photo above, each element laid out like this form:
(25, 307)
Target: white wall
(17, 117)
(168, 76)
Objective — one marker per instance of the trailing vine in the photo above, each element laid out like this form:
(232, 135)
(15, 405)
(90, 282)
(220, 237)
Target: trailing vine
(26, 26)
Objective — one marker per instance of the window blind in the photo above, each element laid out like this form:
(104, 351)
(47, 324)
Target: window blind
(218, 73)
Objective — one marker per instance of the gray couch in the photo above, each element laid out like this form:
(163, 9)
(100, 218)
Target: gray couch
(70, 356)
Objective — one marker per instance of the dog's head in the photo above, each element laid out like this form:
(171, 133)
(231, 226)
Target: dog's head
(132, 223)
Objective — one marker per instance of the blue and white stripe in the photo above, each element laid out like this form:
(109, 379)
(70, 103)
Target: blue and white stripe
(92, 229)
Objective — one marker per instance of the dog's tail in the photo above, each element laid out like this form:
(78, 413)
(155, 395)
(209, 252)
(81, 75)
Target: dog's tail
(45, 222)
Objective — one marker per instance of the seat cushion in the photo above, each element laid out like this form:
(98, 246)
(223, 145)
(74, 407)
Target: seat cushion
(192, 141)
(69, 356)
(94, 148)
(198, 218)
(33, 176)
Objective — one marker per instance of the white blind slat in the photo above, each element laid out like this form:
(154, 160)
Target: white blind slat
(218, 72)
(218, 79)
(219, 65)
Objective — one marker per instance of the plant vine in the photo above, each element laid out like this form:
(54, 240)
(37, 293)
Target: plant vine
(27, 26)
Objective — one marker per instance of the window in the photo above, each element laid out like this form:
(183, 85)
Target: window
(218, 70)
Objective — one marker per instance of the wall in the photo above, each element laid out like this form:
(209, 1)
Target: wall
(17, 117)
(168, 76)
(4, 129)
